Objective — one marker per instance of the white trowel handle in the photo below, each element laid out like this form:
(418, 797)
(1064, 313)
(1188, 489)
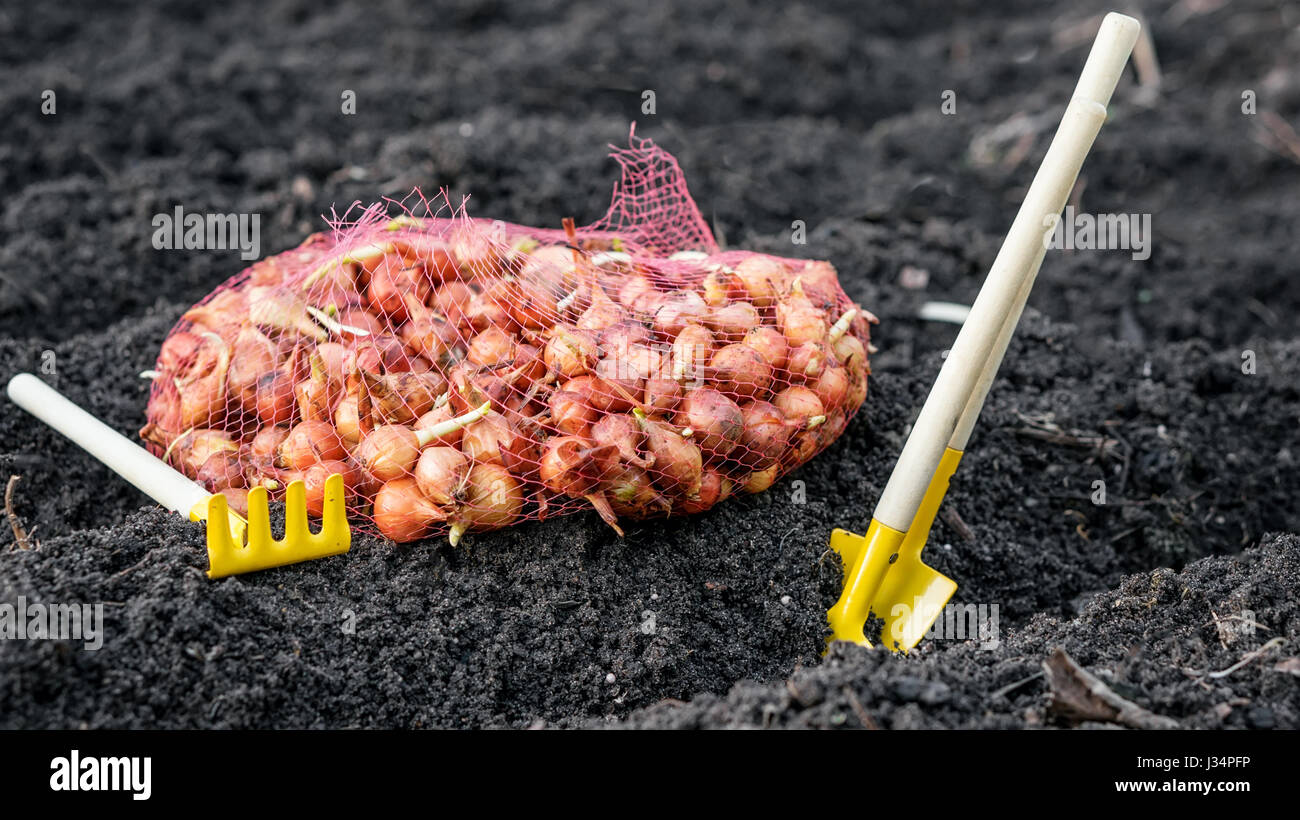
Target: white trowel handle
(1001, 293)
(134, 463)
(1097, 82)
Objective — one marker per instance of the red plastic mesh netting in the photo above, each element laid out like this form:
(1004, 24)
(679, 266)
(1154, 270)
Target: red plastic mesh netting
(468, 374)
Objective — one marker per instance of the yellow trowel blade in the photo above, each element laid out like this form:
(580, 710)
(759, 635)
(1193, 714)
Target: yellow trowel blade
(909, 596)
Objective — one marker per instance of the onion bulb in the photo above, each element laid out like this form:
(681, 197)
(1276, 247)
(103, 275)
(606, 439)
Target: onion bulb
(678, 310)
(739, 370)
(801, 406)
(731, 322)
(714, 488)
(440, 471)
(678, 465)
(623, 434)
(760, 480)
(307, 443)
(761, 277)
(571, 352)
(770, 344)
(692, 350)
(571, 413)
(721, 286)
(765, 437)
(493, 498)
(491, 348)
(715, 421)
(402, 513)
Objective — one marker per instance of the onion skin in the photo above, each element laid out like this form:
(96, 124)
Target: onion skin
(849, 348)
(389, 285)
(220, 471)
(739, 370)
(623, 434)
(620, 383)
(624, 335)
(451, 301)
(678, 310)
(678, 464)
(189, 452)
(570, 352)
(439, 472)
(639, 294)
(267, 441)
(732, 322)
(857, 391)
(800, 405)
(493, 499)
(276, 403)
(765, 437)
(806, 362)
(347, 421)
(692, 351)
(178, 352)
(714, 489)
(571, 413)
(770, 344)
(493, 440)
(630, 492)
(832, 388)
(402, 513)
(572, 466)
(602, 313)
(491, 348)
(715, 420)
(803, 326)
(309, 442)
(721, 286)
(252, 356)
(401, 398)
(761, 277)
(832, 428)
(760, 480)
(202, 388)
(388, 453)
(661, 396)
(595, 393)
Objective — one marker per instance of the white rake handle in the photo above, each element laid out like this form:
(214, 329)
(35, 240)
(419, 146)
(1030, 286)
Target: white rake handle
(1016, 262)
(129, 460)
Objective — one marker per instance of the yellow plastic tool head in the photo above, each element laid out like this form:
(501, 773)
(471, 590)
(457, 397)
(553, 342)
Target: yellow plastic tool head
(228, 554)
(885, 577)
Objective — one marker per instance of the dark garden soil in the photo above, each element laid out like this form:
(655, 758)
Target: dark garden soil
(1174, 592)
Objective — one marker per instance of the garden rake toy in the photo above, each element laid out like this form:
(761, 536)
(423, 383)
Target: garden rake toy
(235, 545)
(884, 573)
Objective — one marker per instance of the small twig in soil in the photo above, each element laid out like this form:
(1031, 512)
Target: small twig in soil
(953, 519)
(1079, 696)
(21, 538)
(1248, 658)
(1011, 687)
(864, 717)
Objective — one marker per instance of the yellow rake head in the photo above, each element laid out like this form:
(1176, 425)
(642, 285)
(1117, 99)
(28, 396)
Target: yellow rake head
(230, 554)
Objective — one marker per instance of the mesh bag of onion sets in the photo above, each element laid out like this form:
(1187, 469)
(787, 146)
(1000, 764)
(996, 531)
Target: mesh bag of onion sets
(467, 374)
